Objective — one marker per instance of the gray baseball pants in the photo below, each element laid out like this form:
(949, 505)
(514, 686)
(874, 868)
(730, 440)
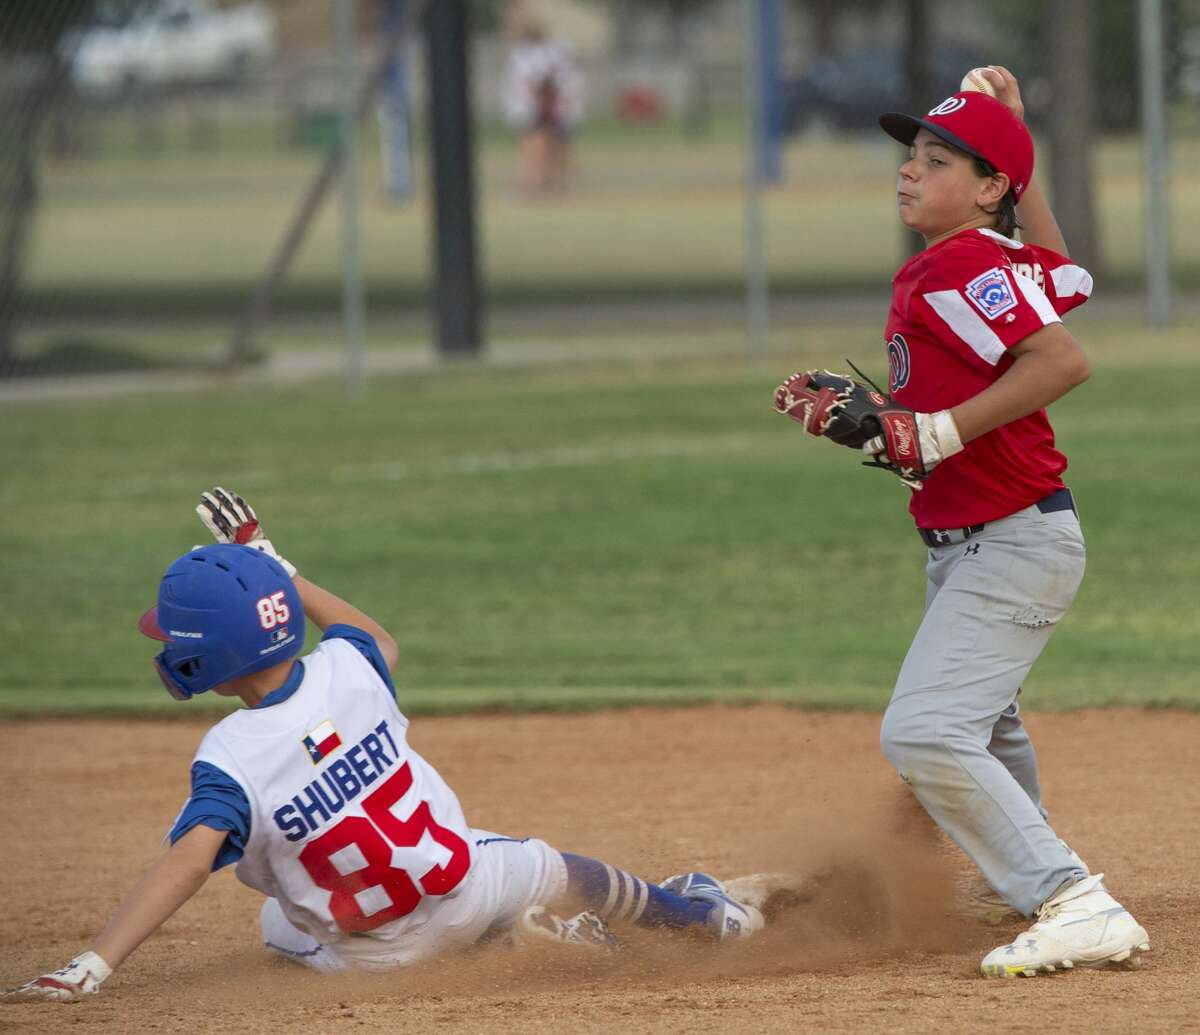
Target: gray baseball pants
(953, 728)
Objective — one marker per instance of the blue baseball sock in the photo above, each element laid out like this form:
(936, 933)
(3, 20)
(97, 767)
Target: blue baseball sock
(617, 895)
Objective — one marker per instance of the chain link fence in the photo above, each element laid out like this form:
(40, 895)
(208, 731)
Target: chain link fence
(154, 154)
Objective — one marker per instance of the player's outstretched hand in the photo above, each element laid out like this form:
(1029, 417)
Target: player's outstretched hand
(81, 977)
(232, 520)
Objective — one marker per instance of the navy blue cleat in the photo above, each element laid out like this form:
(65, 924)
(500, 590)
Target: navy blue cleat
(726, 918)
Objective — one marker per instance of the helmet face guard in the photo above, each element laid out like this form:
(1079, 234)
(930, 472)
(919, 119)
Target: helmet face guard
(175, 688)
(223, 611)
(148, 626)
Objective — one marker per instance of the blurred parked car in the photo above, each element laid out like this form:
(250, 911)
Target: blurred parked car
(850, 91)
(172, 42)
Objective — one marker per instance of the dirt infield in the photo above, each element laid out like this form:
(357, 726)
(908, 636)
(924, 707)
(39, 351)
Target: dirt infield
(726, 790)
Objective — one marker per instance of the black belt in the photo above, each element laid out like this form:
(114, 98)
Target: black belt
(1056, 501)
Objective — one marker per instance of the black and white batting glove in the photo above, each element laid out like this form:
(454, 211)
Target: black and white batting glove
(81, 977)
(232, 520)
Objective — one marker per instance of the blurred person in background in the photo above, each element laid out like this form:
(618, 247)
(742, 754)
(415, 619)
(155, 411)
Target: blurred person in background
(542, 97)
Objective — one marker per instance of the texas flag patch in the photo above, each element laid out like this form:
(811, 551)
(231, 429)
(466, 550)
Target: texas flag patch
(992, 293)
(322, 740)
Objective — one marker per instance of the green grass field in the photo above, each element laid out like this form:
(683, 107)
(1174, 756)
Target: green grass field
(586, 535)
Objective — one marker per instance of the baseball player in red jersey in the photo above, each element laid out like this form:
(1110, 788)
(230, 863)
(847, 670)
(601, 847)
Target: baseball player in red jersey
(976, 351)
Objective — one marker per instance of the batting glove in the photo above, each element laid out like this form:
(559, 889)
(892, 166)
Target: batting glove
(82, 976)
(937, 439)
(232, 520)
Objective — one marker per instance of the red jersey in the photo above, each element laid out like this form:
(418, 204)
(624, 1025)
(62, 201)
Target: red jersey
(957, 308)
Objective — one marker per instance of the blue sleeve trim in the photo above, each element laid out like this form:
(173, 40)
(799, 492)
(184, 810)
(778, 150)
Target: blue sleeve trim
(217, 801)
(364, 642)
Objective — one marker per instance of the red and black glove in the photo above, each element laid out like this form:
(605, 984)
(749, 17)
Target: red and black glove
(852, 414)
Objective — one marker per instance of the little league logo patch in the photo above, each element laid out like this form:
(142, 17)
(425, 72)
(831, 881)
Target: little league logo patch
(992, 293)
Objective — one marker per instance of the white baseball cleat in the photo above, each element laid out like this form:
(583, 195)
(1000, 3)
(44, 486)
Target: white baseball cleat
(541, 924)
(1081, 926)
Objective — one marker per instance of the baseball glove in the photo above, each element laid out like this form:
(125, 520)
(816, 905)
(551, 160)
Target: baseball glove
(852, 414)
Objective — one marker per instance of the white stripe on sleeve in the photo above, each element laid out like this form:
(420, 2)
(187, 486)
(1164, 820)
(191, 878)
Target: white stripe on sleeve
(952, 307)
(1036, 297)
(1070, 279)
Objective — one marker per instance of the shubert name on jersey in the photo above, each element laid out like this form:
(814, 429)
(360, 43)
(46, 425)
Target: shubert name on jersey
(345, 779)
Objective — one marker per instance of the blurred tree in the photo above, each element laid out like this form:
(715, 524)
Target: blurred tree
(1071, 122)
(682, 20)
(824, 16)
(918, 74)
(1111, 26)
(676, 12)
(487, 16)
(33, 70)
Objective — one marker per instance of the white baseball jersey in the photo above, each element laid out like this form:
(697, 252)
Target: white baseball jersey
(350, 829)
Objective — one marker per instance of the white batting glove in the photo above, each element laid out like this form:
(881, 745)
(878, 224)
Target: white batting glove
(232, 520)
(82, 976)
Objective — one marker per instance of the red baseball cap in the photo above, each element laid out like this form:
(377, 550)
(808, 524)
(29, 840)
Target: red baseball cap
(978, 124)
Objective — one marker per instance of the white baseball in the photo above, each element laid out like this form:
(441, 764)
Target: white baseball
(976, 80)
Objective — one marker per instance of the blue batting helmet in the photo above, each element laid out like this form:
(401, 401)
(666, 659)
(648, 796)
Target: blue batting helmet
(223, 611)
